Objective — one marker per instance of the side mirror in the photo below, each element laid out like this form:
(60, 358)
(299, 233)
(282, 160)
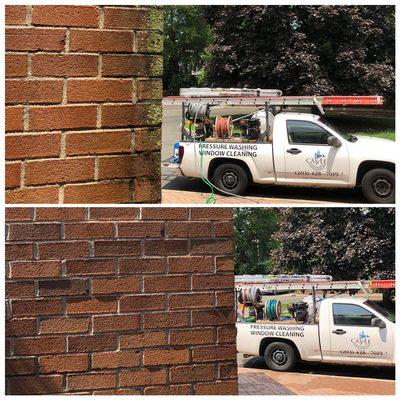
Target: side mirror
(333, 141)
(378, 323)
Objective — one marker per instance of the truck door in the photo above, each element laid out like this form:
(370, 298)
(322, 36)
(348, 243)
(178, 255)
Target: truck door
(355, 340)
(309, 159)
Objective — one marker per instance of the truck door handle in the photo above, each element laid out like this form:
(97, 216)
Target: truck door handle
(339, 332)
(293, 151)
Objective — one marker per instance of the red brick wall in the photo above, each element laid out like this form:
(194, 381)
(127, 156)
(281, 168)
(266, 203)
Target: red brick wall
(83, 104)
(120, 300)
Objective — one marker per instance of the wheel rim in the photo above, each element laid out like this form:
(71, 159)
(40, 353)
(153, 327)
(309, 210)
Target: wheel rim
(230, 179)
(279, 357)
(382, 187)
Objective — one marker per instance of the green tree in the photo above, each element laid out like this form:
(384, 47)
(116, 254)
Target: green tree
(186, 35)
(252, 238)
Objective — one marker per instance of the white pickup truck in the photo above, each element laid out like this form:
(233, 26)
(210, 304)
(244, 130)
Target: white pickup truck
(347, 331)
(302, 149)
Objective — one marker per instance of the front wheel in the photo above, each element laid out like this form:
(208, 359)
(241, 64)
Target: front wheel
(280, 356)
(378, 186)
(231, 178)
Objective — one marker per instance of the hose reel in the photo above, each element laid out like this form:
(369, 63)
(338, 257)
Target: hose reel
(273, 309)
(250, 296)
(196, 112)
(223, 127)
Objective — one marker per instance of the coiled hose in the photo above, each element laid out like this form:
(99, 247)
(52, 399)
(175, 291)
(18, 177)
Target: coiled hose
(273, 309)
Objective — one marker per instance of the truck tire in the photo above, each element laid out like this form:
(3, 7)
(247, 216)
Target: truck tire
(280, 356)
(378, 186)
(231, 178)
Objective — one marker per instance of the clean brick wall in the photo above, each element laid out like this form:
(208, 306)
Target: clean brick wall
(120, 300)
(83, 104)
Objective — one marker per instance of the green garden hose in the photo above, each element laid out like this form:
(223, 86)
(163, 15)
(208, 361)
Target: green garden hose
(211, 199)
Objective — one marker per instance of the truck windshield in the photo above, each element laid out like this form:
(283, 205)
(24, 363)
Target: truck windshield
(385, 312)
(346, 136)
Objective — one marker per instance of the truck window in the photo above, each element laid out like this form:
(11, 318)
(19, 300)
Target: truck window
(304, 132)
(351, 314)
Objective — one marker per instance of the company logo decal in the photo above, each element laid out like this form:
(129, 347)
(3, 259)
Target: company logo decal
(317, 162)
(362, 342)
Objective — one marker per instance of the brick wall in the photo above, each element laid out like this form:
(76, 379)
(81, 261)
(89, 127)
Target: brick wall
(83, 108)
(120, 300)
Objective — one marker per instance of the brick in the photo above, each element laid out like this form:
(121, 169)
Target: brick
(148, 376)
(35, 269)
(226, 334)
(112, 360)
(38, 346)
(149, 42)
(148, 265)
(132, 65)
(90, 267)
(99, 90)
(117, 392)
(191, 300)
(192, 373)
(225, 299)
(15, 15)
(33, 146)
(128, 166)
(189, 229)
(21, 327)
(88, 230)
(147, 139)
(114, 213)
(213, 317)
(15, 290)
(211, 246)
(223, 229)
(13, 175)
(26, 232)
(101, 41)
(62, 250)
(149, 89)
(164, 214)
(33, 91)
(91, 381)
(33, 195)
(16, 65)
(35, 39)
(191, 337)
(224, 264)
(31, 385)
(62, 117)
(85, 16)
(98, 342)
(117, 248)
(228, 371)
(155, 284)
(115, 115)
(161, 320)
(142, 340)
(170, 390)
(147, 190)
(19, 251)
(170, 247)
(68, 65)
(129, 18)
(64, 287)
(142, 303)
(165, 357)
(217, 388)
(14, 119)
(116, 323)
(102, 192)
(209, 282)
(98, 142)
(210, 213)
(214, 353)
(60, 214)
(87, 306)
(32, 308)
(189, 264)
(19, 214)
(63, 363)
(116, 285)
(140, 229)
(64, 325)
(20, 366)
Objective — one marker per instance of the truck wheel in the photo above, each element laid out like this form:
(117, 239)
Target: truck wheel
(378, 186)
(280, 356)
(231, 178)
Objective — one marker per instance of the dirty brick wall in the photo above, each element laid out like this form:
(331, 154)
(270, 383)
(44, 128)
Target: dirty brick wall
(120, 300)
(83, 104)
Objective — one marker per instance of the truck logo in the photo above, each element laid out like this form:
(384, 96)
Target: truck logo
(362, 342)
(317, 162)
